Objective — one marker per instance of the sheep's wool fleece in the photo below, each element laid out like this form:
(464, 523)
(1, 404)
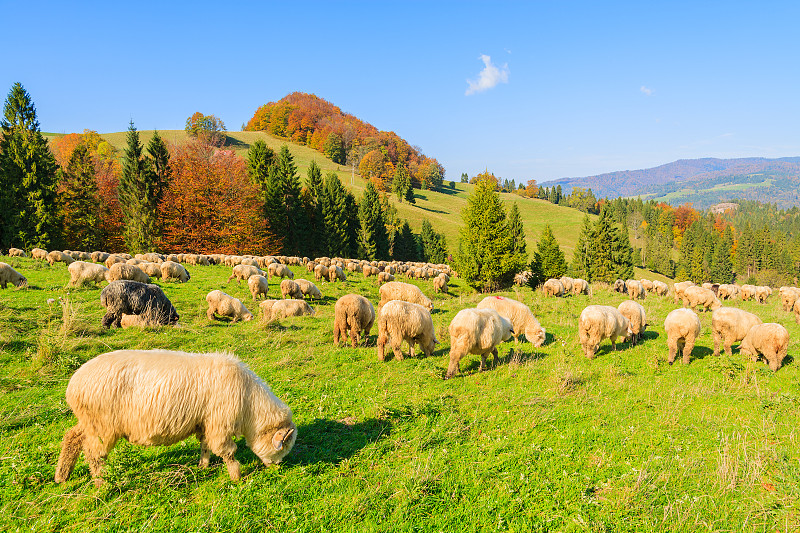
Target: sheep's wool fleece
(158, 397)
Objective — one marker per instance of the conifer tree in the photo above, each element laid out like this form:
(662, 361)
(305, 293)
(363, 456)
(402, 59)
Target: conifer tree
(401, 184)
(159, 159)
(312, 200)
(260, 158)
(286, 207)
(373, 240)
(405, 246)
(722, 264)
(80, 202)
(583, 258)
(517, 232)
(550, 255)
(603, 268)
(28, 177)
(335, 217)
(433, 244)
(485, 258)
(622, 253)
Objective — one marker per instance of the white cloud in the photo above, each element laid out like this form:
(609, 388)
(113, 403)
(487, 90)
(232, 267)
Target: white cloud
(646, 90)
(489, 77)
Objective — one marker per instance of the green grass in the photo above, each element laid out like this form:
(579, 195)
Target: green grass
(547, 441)
(716, 188)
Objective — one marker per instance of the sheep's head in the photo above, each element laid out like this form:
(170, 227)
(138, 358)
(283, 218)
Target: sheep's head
(536, 336)
(272, 445)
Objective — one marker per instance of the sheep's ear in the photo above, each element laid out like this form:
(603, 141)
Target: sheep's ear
(277, 440)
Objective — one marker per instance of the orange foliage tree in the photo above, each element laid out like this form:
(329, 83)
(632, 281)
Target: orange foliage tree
(373, 167)
(211, 206)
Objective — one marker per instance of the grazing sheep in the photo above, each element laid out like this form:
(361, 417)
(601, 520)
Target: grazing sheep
(520, 316)
(635, 290)
(119, 271)
(637, 319)
(113, 259)
(727, 291)
(694, 296)
(335, 273)
(369, 271)
(309, 289)
(553, 287)
(173, 270)
(683, 327)
(290, 289)
(355, 314)
(99, 257)
(274, 309)
(16, 252)
(476, 331)
(619, 286)
(747, 292)
(135, 261)
(678, 288)
(400, 321)
(771, 341)
(160, 397)
(566, 282)
(762, 293)
(258, 285)
(580, 286)
(522, 278)
(151, 269)
(38, 253)
(440, 283)
(730, 325)
(660, 288)
(397, 290)
(796, 310)
(385, 277)
(58, 257)
(280, 270)
(243, 272)
(135, 298)
(647, 284)
(598, 322)
(133, 321)
(789, 296)
(320, 272)
(222, 304)
(81, 272)
(9, 275)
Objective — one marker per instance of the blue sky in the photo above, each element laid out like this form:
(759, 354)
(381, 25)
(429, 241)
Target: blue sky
(529, 90)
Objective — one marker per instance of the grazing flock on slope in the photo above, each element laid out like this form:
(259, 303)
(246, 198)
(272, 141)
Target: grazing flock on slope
(216, 397)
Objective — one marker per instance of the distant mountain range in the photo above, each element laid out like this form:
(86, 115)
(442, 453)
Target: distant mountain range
(704, 182)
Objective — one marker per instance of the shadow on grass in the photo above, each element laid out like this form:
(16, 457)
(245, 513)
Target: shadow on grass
(234, 143)
(331, 441)
(431, 210)
(699, 352)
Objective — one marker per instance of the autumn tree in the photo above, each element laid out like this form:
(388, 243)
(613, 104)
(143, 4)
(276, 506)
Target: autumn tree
(485, 258)
(373, 168)
(80, 202)
(207, 128)
(334, 148)
(28, 177)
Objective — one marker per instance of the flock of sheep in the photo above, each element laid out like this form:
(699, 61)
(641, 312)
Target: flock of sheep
(219, 397)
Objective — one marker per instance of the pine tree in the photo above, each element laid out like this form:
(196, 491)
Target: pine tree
(433, 244)
(159, 159)
(550, 255)
(140, 190)
(622, 253)
(80, 202)
(313, 207)
(583, 258)
(373, 240)
(517, 232)
(28, 177)
(406, 247)
(287, 208)
(603, 268)
(722, 264)
(260, 158)
(485, 258)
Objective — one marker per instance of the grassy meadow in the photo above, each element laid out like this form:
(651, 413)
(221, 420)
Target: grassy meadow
(546, 441)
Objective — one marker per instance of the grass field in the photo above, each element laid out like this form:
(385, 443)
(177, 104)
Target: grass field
(546, 441)
(688, 191)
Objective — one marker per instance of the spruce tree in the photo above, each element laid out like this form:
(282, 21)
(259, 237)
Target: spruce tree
(603, 268)
(159, 159)
(28, 177)
(485, 258)
(433, 244)
(312, 201)
(140, 190)
(583, 258)
(334, 213)
(80, 202)
(260, 158)
(517, 232)
(550, 255)
(622, 253)
(287, 206)
(406, 247)
(373, 240)
(722, 264)
(401, 184)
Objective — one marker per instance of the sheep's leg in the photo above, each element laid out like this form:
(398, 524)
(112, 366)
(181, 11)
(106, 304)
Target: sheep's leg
(688, 346)
(614, 344)
(483, 363)
(355, 330)
(210, 314)
(382, 339)
(411, 351)
(225, 447)
(728, 348)
(397, 344)
(496, 358)
(717, 342)
(673, 349)
(205, 453)
(70, 450)
(453, 367)
(95, 449)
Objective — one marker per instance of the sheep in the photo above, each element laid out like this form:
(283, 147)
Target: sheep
(120, 271)
(727, 291)
(222, 304)
(241, 272)
(113, 259)
(16, 252)
(135, 298)
(678, 288)
(397, 290)
(320, 272)
(258, 285)
(694, 296)
(290, 289)
(566, 282)
(38, 253)
(635, 290)
(99, 257)
(553, 287)
(729, 325)
(598, 322)
(771, 341)
(369, 270)
(400, 321)
(161, 397)
(9, 275)
(796, 310)
(440, 283)
(682, 327)
(336, 273)
(647, 284)
(476, 331)
(81, 272)
(762, 293)
(660, 288)
(520, 316)
(619, 286)
(135, 261)
(580, 286)
(172, 270)
(353, 313)
(747, 292)
(151, 269)
(385, 277)
(310, 266)
(280, 270)
(274, 309)
(522, 278)
(309, 289)
(789, 296)
(58, 257)
(637, 319)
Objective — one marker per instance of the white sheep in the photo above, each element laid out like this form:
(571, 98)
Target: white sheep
(243, 272)
(280, 270)
(682, 327)
(275, 309)
(38, 253)
(479, 332)
(120, 271)
(400, 321)
(771, 341)
(258, 285)
(637, 319)
(730, 325)
(635, 289)
(290, 289)
(397, 290)
(160, 397)
(355, 314)
(58, 257)
(222, 304)
(694, 296)
(553, 287)
(520, 316)
(309, 289)
(174, 270)
(81, 272)
(598, 322)
(9, 275)
(16, 252)
(678, 288)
